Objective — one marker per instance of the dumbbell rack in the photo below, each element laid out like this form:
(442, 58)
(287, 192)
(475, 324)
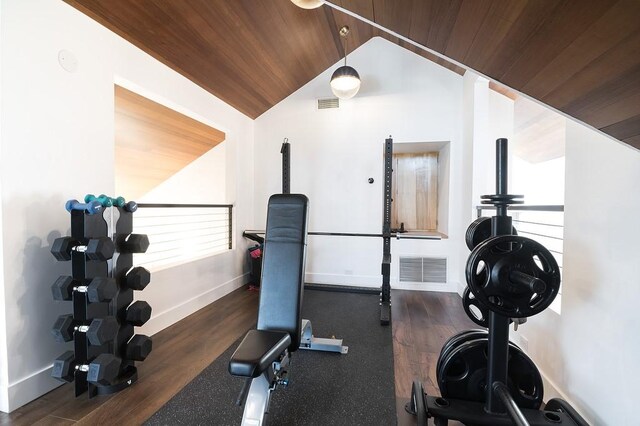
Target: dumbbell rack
(117, 223)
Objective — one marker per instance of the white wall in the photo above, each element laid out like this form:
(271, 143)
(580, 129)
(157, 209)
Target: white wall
(541, 183)
(334, 152)
(590, 351)
(203, 181)
(57, 143)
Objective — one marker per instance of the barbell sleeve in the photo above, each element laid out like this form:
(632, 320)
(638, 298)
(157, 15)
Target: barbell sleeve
(536, 285)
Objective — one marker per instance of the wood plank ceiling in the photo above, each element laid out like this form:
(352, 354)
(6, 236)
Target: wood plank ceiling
(581, 57)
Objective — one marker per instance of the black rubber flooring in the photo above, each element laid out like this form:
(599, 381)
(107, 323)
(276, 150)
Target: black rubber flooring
(324, 389)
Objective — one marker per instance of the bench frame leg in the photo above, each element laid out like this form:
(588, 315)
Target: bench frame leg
(256, 406)
(257, 403)
(312, 343)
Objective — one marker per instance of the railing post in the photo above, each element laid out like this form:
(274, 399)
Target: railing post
(230, 226)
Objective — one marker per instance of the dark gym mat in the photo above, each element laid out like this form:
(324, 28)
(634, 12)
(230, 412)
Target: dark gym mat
(324, 389)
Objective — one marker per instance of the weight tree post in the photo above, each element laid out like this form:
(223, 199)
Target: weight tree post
(498, 346)
(385, 293)
(286, 166)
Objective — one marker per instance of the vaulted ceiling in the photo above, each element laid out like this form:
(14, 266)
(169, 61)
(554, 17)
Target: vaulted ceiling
(581, 57)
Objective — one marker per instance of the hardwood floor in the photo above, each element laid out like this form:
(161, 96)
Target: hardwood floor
(421, 323)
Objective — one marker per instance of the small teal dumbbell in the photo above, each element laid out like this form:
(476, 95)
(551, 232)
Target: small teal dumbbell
(102, 199)
(91, 207)
(118, 201)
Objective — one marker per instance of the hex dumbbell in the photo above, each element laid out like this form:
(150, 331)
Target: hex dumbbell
(100, 289)
(101, 248)
(132, 243)
(138, 313)
(137, 278)
(139, 347)
(91, 207)
(103, 370)
(99, 332)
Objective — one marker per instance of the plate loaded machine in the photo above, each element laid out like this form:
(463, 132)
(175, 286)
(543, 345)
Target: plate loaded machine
(483, 378)
(385, 293)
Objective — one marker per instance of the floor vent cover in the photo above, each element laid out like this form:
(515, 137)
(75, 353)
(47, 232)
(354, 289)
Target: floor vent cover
(423, 269)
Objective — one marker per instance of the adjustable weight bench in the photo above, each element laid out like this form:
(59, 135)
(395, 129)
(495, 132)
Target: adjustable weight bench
(263, 355)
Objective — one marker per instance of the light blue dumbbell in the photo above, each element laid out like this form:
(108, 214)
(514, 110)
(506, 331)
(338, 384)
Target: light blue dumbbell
(91, 207)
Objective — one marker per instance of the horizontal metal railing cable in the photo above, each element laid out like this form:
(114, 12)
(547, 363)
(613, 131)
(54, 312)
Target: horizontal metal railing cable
(180, 233)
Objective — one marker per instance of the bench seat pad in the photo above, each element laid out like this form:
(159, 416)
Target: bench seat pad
(257, 351)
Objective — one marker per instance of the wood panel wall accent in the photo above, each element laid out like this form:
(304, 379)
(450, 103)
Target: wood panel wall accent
(581, 57)
(153, 142)
(415, 191)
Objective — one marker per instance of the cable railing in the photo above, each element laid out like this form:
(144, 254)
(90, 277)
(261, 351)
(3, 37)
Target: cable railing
(542, 223)
(180, 233)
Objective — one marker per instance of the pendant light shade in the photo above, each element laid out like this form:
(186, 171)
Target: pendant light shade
(308, 4)
(345, 82)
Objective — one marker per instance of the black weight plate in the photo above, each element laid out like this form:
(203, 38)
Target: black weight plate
(479, 315)
(464, 373)
(479, 231)
(488, 270)
(468, 301)
(456, 340)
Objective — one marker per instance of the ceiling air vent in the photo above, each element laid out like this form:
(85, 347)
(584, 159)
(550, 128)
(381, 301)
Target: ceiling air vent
(328, 103)
(423, 269)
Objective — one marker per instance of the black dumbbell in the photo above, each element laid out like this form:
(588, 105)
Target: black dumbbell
(131, 206)
(137, 278)
(103, 370)
(101, 248)
(100, 289)
(132, 243)
(138, 313)
(99, 332)
(139, 347)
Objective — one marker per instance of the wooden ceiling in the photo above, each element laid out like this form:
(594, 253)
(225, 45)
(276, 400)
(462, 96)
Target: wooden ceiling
(581, 57)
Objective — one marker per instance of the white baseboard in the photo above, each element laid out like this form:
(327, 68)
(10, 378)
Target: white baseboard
(439, 287)
(551, 390)
(29, 388)
(347, 280)
(169, 317)
(375, 282)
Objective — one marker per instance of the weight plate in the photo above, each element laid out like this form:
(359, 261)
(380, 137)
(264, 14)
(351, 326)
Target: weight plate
(479, 231)
(456, 340)
(475, 311)
(464, 375)
(489, 275)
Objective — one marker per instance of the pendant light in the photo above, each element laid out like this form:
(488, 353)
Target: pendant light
(308, 4)
(345, 81)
